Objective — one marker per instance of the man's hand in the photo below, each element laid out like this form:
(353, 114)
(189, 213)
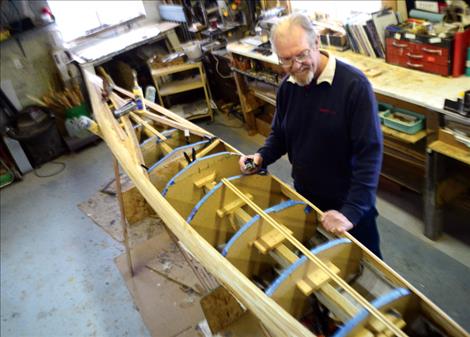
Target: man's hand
(250, 164)
(335, 222)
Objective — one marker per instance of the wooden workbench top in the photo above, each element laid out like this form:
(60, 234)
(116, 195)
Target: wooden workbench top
(417, 87)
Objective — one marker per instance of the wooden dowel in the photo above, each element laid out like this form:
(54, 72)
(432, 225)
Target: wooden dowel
(165, 112)
(148, 126)
(133, 142)
(123, 216)
(174, 124)
(165, 147)
(37, 100)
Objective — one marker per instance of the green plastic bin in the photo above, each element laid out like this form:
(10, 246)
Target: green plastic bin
(406, 127)
(77, 111)
(383, 109)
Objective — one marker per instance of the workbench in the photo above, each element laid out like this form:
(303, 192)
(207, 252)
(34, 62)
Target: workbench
(406, 157)
(96, 51)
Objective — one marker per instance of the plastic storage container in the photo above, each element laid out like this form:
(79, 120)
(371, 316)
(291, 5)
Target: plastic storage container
(383, 109)
(77, 111)
(396, 119)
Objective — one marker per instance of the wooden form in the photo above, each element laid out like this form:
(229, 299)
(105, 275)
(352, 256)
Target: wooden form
(262, 241)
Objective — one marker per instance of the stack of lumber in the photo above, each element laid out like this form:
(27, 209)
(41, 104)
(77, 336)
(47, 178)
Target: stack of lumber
(60, 101)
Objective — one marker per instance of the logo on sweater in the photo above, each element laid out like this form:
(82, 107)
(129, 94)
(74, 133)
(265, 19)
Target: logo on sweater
(327, 111)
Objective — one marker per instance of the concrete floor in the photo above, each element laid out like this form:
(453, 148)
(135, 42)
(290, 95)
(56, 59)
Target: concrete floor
(58, 276)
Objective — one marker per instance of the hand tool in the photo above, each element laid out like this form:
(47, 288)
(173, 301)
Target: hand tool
(250, 165)
(125, 109)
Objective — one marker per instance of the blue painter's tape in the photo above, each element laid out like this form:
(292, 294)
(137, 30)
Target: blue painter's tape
(283, 205)
(168, 155)
(244, 228)
(239, 233)
(329, 244)
(363, 313)
(205, 198)
(168, 134)
(172, 181)
(148, 140)
(289, 270)
(285, 274)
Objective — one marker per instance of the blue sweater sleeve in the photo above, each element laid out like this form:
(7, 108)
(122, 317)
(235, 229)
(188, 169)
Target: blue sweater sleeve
(366, 147)
(275, 145)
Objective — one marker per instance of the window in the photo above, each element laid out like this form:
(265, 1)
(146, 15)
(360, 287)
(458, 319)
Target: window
(80, 18)
(336, 10)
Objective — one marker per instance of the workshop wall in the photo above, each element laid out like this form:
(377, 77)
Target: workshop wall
(151, 8)
(29, 73)
(32, 72)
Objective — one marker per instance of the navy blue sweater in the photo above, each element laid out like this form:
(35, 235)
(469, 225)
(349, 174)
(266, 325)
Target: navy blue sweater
(333, 139)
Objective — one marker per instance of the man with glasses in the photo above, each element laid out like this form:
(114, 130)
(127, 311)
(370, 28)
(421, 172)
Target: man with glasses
(326, 121)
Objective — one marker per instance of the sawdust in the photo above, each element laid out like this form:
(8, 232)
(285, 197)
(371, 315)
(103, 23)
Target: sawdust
(103, 208)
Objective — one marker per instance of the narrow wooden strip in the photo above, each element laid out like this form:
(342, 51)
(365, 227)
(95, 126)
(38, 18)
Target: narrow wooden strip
(134, 144)
(94, 85)
(37, 100)
(378, 327)
(241, 216)
(148, 126)
(164, 111)
(174, 124)
(333, 295)
(287, 254)
(208, 148)
(117, 100)
(124, 224)
(165, 147)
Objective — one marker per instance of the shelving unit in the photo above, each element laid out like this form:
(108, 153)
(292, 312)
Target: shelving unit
(195, 79)
(411, 139)
(447, 183)
(404, 154)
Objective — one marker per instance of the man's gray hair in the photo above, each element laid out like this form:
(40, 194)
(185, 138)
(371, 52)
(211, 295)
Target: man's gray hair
(296, 19)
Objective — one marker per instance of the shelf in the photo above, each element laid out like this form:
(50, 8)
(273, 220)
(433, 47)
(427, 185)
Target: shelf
(194, 110)
(174, 69)
(263, 77)
(416, 150)
(451, 151)
(206, 115)
(188, 82)
(409, 176)
(175, 87)
(262, 96)
(405, 158)
(411, 139)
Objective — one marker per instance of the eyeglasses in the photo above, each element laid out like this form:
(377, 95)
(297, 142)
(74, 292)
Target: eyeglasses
(299, 58)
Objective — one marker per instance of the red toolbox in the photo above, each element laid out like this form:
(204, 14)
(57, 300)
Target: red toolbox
(425, 53)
